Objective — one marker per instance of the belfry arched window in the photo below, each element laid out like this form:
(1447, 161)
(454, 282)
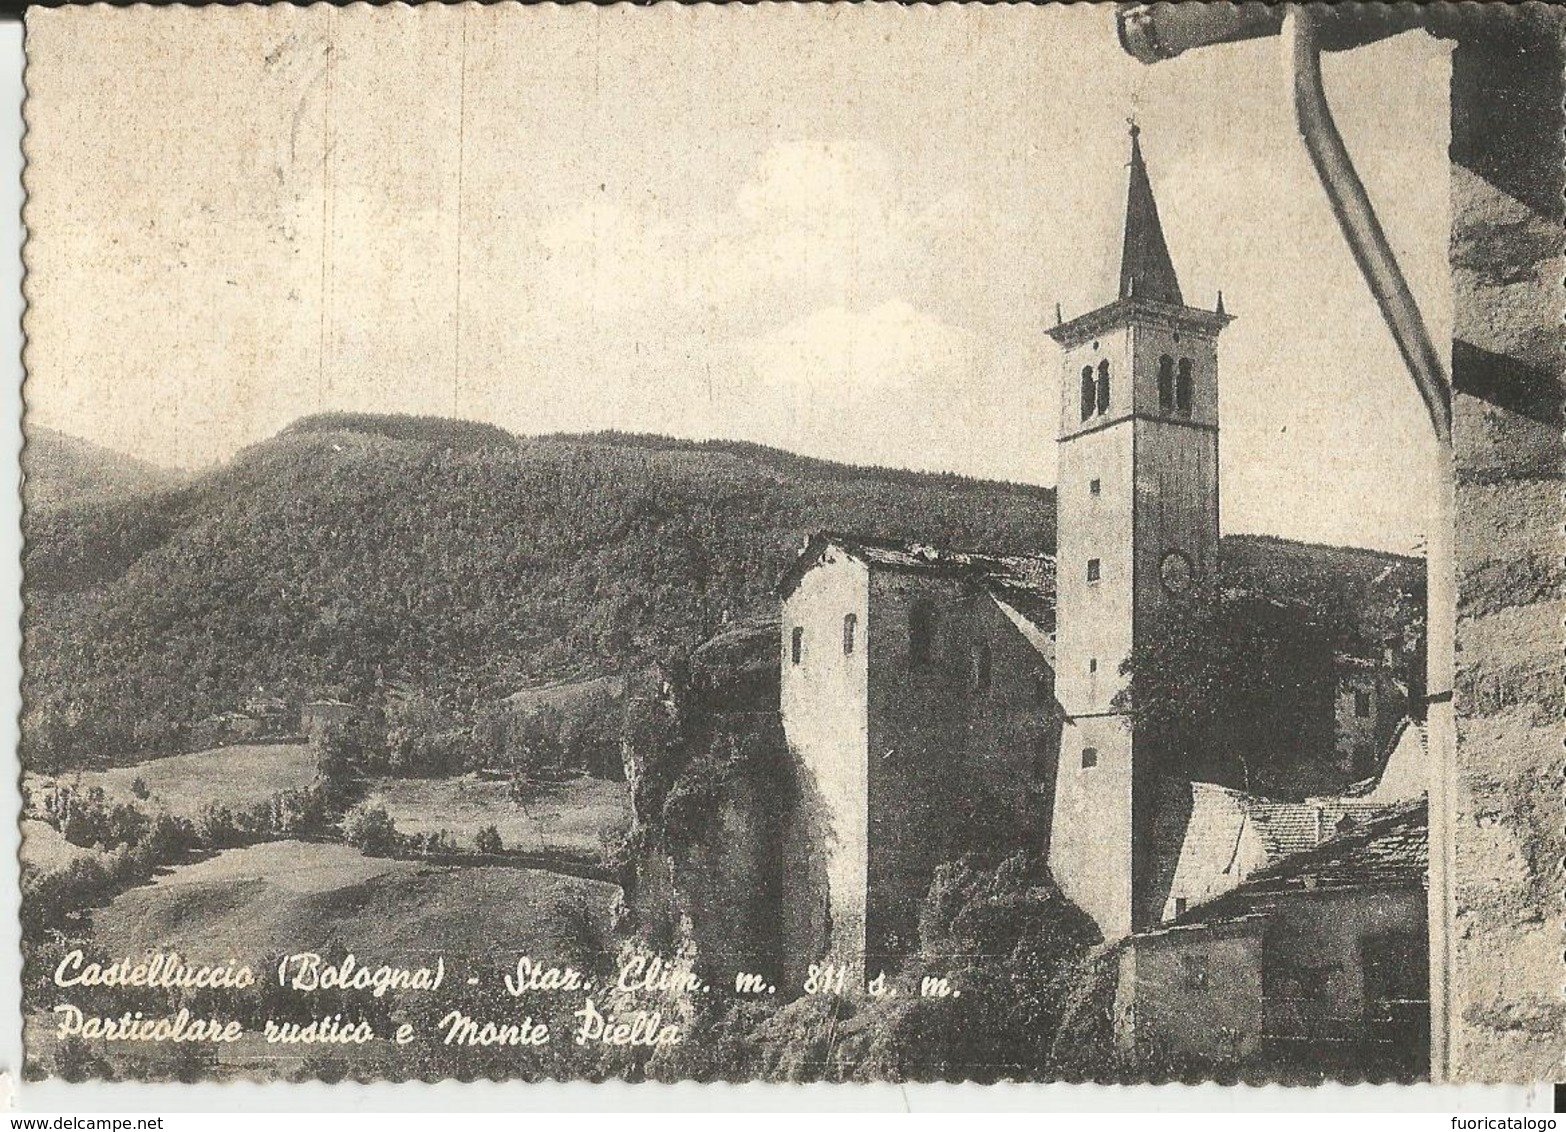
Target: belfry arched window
(850, 632)
(1103, 387)
(1184, 388)
(1087, 392)
(1166, 383)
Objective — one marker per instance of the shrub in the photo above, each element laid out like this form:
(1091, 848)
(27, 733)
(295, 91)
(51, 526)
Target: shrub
(1002, 936)
(439, 841)
(140, 789)
(216, 827)
(370, 830)
(86, 818)
(168, 837)
(337, 752)
(134, 845)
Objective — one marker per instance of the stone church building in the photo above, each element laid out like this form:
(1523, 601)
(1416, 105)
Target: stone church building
(926, 692)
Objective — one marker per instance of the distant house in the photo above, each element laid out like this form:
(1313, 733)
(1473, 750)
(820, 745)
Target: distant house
(225, 727)
(1319, 961)
(271, 711)
(317, 716)
(1370, 706)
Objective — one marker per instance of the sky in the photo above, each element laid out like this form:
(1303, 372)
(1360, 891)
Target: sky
(842, 231)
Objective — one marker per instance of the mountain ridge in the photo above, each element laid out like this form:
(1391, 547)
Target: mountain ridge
(349, 551)
(59, 467)
(353, 553)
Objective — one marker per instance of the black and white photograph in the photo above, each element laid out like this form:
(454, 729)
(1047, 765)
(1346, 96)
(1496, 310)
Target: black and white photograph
(793, 543)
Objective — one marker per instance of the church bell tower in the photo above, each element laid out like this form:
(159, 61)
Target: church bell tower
(1137, 525)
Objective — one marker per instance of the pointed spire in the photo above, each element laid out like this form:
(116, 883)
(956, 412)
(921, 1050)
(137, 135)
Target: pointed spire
(1146, 271)
(1220, 303)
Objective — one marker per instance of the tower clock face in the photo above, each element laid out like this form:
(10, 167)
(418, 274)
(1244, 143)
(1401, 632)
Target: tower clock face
(1175, 572)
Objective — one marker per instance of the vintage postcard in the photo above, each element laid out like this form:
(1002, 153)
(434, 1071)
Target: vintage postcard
(793, 543)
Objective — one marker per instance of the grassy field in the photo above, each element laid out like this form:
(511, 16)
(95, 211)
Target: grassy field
(235, 776)
(254, 904)
(45, 851)
(288, 896)
(583, 817)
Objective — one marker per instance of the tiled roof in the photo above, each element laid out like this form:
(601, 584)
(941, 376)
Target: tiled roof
(1292, 827)
(1389, 850)
(1026, 582)
(1208, 839)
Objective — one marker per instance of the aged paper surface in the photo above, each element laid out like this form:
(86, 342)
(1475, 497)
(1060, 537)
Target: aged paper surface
(794, 543)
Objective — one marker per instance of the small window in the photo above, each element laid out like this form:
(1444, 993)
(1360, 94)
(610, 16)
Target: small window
(850, 629)
(1362, 704)
(1184, 388)
(921, 632)
(797, 649)
(1103, 387)
(1179, 905)
(1089, 757)
(1093, 570)
(1166, 383)
(1088, 393)
(982, 664)
(1094, 487)
(1092, 664)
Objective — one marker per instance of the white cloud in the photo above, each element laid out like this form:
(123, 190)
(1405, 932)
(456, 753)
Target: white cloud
(816, 224)
(837, 349)
(853, 385)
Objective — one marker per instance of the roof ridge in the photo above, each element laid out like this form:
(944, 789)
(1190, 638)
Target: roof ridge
(890, 542)
(1377, 867)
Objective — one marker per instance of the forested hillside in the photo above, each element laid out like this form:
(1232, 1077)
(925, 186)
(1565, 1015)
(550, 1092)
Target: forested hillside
(62, 469)
(351, 552)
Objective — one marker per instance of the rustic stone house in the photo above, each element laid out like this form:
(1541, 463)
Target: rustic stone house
(1320, 959)
(319, 716)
